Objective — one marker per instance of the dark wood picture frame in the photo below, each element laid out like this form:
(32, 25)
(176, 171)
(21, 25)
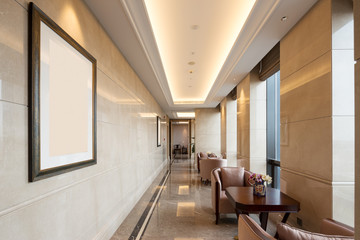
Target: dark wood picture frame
(36, 170)
(158, 131)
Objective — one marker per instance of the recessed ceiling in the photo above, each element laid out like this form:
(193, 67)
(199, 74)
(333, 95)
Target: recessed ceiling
(197, 33)
(188, 69)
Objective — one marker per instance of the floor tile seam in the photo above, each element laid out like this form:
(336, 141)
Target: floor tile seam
(140, 227)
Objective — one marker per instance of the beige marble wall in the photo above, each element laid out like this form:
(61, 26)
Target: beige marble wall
(223, 124)
(251, 122)
(207, 130)
(257, 123)
(317, 101)
(89, 203)
(231, 132)
(243, 122)
(357, 116)
(228, 109)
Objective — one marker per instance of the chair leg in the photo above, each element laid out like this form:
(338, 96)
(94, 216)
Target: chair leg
(217, 218)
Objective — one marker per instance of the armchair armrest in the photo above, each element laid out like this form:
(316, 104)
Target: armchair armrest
(215, 191)
(248, 229)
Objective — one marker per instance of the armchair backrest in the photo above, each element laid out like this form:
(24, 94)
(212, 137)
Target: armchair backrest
(207, 165)
(332, 227)
(234, 176)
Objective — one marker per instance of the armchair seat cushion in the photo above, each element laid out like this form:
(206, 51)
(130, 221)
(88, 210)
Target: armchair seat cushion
(287, 232)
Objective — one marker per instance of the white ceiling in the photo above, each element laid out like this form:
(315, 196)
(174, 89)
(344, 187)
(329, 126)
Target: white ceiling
(199, 26)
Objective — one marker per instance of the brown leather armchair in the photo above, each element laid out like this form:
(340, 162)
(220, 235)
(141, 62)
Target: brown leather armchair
(248, 229)
(207, 165)
(222, 178)
(200, 156)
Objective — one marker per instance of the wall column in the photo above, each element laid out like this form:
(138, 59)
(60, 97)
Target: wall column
(251, 103)
(317, 116)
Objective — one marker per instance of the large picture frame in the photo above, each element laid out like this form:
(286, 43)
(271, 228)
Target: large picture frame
(62, 100)
(158, 130)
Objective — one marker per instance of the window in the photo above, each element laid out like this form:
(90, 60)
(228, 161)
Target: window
(273, 128)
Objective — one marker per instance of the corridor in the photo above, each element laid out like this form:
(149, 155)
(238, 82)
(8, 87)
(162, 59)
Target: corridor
(183, 211)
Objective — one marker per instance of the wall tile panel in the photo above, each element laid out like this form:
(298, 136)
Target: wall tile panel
(308, 40)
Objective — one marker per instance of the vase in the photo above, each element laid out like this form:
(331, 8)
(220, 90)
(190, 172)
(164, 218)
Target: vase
(259, 189)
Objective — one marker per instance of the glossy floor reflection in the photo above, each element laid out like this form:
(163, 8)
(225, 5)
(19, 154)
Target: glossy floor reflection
(184, 210)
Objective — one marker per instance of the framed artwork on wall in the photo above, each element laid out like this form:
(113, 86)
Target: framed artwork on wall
(158, 130)
(62, 99)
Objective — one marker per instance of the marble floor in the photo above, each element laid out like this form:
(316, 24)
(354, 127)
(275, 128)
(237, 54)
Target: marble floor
(183, 212)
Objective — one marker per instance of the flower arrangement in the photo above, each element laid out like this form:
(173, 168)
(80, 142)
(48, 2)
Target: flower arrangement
(259, 179)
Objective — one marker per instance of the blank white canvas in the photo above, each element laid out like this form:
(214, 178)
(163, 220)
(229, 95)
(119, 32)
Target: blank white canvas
(66, 102)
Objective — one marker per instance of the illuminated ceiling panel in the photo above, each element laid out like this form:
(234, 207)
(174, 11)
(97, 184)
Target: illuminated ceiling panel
(194, 39)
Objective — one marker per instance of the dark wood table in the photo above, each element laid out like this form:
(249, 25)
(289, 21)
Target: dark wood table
(244, 201)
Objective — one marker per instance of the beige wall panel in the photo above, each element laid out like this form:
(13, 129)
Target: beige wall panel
(207, 130)
(315, 198)
(308, 40)
(13, 45)
(306, 94)
(343, 197)
(244, 143)
(357, 28)
(357, 144)
(309, 148)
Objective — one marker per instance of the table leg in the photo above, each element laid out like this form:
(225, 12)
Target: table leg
(285, 218)
(264, 219)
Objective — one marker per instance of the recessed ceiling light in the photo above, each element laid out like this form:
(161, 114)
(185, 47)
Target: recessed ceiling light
(191, 71)
(192, 53)
(284, 18)
(189, 86)
(186, 114)
(195, 27)
(191, 63)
